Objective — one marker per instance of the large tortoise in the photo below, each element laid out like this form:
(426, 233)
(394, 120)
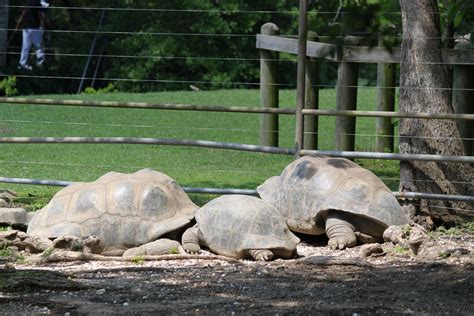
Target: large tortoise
(123, 210)
(318, 195)
(240, 226)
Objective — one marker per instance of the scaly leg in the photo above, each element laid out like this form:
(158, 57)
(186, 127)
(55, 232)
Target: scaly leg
(191, 240)
(340, 232)
(261, 254)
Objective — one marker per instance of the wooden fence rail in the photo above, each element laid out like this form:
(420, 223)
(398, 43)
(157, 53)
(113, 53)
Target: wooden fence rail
(354, 54)
(234, 146)
(348, 58)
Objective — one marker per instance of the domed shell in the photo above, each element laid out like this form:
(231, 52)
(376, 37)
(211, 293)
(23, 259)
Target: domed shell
(124, 210)
(312, 185)
(232, 224)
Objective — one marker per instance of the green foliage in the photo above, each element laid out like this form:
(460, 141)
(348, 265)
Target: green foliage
(30, 202)
(444, 254)
(47, 252)
(11, 254)
(172, 44)
(211, 44)
(137, 260)
(110, 88)
(401, 250)
(460, 13)
(21, 259)
(5, 228)
(466, 228)
(406, 230)
(185, 55)
(8, 86)
(174, 251)
(6, 252)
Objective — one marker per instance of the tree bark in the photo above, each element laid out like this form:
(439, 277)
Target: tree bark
(425, 87)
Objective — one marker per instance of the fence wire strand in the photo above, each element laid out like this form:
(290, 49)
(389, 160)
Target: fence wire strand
(256, 131)
(149, 10)
(231, 171)
(187, 58)
(236, 83)
(107, 33)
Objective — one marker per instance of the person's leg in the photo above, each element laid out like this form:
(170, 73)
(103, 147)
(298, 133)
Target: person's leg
(37, 39)
(25, 47)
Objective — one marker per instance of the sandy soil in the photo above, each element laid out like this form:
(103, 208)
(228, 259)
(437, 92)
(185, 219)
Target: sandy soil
(437, 281)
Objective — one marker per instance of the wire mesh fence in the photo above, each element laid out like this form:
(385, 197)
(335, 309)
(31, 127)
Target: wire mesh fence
(193, 74)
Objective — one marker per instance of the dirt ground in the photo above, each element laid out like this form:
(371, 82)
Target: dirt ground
(321, 281)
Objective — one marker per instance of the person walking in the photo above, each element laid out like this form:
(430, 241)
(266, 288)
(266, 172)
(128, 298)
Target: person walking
(32, 21)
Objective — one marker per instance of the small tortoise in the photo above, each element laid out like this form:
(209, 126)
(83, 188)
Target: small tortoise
(240, 226)
(123, 210)
(335, 196)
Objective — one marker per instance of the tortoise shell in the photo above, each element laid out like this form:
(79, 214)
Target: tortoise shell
(124, 210)
(232, 224)
(312, 185)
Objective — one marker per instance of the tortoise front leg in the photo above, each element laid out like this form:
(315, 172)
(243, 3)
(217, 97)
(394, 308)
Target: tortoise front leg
(191, 240)
(261, 254)
(339, 231)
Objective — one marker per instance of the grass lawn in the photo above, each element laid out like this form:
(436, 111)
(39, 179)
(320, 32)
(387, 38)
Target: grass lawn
(196, 167)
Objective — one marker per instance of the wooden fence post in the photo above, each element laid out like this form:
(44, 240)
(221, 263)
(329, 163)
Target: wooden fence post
(269, 90)
(385, 102)
(3, 33)
(346, 99)
(301, 76)
(310, 140)
(463, 96)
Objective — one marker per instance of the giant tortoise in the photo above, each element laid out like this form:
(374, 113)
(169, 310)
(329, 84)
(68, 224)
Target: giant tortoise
(318, 195)
(123, 210)
(240, 226)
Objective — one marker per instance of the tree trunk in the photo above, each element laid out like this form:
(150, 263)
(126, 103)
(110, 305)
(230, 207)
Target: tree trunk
(425, 87)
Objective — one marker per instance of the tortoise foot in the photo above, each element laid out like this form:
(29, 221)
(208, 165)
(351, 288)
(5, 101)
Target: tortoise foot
(341, 242)
(340, 231)
(191, 240)
(261, 254)
(192, 248)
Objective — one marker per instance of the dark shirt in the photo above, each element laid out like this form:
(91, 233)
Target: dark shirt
(32, 12)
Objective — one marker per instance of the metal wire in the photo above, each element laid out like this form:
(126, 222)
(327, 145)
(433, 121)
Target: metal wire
(141, 33)
(205, 58)
(440, 116)
(159, 57)
(396, 137)
(231, 171)
(256, 84)
(148, 141)
(109, 167)
(148, 10)
(400, 195)
(444, 207)
(281, 59)
(156, 128)
(223, 82)
(256, 131)
(186, 58)
(389, 156)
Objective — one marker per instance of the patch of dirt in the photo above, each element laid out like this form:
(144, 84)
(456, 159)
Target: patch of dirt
(322, 281)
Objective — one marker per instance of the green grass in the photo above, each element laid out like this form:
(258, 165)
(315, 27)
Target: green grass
(190, 166)
(6, 252)
(466, 228)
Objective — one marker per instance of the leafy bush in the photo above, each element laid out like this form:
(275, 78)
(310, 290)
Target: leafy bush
(110, 88)
(8, 86)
